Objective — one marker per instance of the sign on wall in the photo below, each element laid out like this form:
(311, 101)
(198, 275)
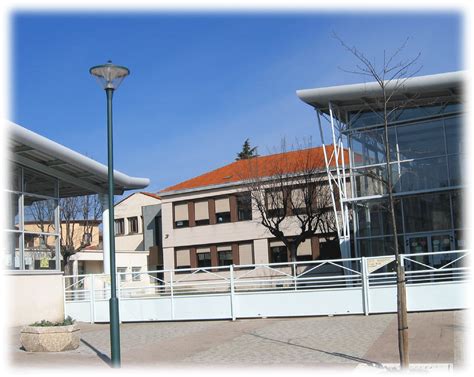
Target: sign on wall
(373, 264)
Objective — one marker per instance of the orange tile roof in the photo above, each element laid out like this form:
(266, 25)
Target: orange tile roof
(150, 194)
(264, 165)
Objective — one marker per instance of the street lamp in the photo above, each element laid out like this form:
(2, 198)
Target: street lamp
(110, 76)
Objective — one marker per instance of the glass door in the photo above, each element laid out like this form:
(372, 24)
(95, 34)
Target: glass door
(418, 244)
(441, 242)
(430, 243)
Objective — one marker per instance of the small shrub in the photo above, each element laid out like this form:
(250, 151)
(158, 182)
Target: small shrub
(68, 321)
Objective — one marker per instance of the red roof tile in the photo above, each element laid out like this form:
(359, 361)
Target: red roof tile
(264, 165)
(150, 194)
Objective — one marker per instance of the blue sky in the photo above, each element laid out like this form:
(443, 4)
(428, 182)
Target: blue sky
(200, 83)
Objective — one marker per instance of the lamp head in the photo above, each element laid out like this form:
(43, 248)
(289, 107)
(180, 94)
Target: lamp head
(110, 76)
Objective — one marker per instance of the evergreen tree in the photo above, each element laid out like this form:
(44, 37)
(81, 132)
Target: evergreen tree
(247, 151)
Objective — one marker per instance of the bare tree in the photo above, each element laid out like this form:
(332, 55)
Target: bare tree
(390, 76)
(291, 193)
(78, 217)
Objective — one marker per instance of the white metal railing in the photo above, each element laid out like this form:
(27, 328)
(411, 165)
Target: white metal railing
(359, 274)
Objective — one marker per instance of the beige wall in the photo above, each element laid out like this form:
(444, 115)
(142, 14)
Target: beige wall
(93, 261)
(34, 298)
(219, 233)
(131, 207)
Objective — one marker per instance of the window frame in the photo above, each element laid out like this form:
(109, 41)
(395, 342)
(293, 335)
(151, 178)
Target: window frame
(132, 223)
(119, 223)
(20, 253)
(136, 275)
(244, 210)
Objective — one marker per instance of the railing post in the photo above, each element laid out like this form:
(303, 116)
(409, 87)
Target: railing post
(172, 294)
(365, 286)
(295, 273)
(232, 291)
(92, 298)
(117, 277)
(64, 296)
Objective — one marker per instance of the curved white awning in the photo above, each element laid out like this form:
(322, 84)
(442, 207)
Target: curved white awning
(438, 85)
(79, 174)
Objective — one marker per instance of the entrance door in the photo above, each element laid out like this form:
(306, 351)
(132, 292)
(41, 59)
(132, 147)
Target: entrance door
(430, 243)
(415, 245)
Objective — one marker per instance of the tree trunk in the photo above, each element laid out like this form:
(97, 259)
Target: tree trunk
(293, 249)
(401, 289)
(67, 266)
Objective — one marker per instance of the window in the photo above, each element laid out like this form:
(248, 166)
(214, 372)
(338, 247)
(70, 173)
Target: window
(456, 199)
(38, 252)
(454, 168)
(87, 238)
(31, 240)
(244, 207)
(224, 255)
(421, 140)
(183, 258)
(203, 257)
(298, 201)
(427, 212)
(201, 212)
(28, 214)
(39, 214)
(122, 273)
(181, 216)
(278, 252)
(454, 135)
(132, 225)
(12, 256)
(424, 174)
(119, 227)
(369, 181)
(246, 253)
(136, 273)
(374, 220)
(13, 213)
(222, 210)
(304, 252)
(275, 203)
(368, 147)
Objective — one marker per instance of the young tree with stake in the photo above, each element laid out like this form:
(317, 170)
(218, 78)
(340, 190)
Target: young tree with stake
(391, 77)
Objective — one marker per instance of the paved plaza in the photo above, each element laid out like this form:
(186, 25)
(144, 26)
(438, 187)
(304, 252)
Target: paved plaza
(337, 342)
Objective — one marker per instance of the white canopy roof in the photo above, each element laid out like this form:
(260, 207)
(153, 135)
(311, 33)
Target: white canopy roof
(356, 95)
(79, 175)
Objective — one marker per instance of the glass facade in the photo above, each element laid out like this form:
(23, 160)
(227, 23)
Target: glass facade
(32, 223)
(426, 149)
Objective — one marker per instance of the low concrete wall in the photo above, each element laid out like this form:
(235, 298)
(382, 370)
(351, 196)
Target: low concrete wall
(32, 298)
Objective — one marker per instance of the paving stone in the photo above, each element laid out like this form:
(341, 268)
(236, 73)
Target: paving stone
(322, 342)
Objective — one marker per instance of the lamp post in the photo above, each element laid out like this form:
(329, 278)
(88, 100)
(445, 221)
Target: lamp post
(110, 76)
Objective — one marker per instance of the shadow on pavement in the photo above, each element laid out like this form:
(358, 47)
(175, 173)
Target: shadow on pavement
(101, 355)
(336, 354)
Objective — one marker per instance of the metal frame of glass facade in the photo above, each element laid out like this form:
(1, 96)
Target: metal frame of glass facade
(15, 230)
(426, 153)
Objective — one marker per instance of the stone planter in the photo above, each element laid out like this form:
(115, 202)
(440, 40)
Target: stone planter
(50, 338)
